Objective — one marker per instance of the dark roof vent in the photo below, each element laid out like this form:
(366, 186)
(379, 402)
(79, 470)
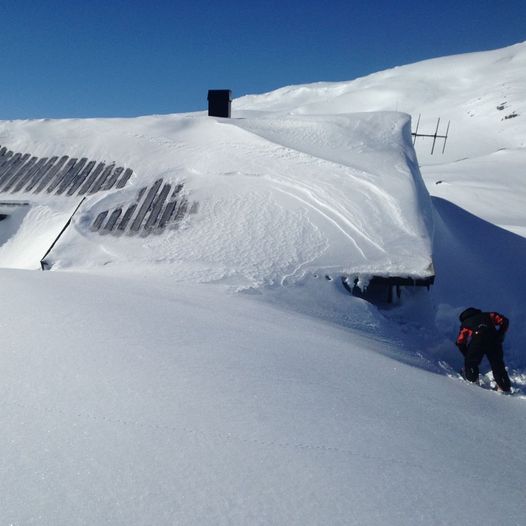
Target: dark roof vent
(219, 103)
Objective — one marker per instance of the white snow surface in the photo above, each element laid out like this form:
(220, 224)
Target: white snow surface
(213, 374)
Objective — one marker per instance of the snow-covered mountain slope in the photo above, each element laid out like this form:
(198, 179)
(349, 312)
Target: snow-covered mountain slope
(482, 94)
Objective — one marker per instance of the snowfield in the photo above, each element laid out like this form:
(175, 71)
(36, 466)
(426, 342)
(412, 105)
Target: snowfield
(218, 372)
(130, 401)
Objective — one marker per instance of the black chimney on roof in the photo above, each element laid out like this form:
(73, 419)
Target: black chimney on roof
(219, 102)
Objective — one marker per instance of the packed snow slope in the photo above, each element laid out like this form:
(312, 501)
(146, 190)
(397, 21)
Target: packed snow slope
(140, 400)
(482, 94)
(138, 387)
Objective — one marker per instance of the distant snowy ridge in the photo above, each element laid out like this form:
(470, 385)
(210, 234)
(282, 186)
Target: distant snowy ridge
(489, 87)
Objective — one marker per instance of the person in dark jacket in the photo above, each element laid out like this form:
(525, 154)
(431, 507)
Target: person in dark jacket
(481, 334)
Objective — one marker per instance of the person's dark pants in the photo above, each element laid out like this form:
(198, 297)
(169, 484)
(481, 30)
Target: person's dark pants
(495, 356)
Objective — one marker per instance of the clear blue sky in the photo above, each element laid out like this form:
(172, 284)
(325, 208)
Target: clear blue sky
(80, 58)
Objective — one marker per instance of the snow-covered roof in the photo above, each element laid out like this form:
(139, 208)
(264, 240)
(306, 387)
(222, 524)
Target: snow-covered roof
(277, 195)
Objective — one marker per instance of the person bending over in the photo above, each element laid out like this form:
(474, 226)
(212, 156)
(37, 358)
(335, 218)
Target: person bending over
(481, 334)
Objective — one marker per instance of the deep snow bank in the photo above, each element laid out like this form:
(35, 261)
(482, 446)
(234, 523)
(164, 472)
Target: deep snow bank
(133, 401)
(478, 264)
(483, 265)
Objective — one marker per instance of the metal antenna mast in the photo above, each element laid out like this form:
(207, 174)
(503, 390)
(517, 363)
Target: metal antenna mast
(434, 136)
